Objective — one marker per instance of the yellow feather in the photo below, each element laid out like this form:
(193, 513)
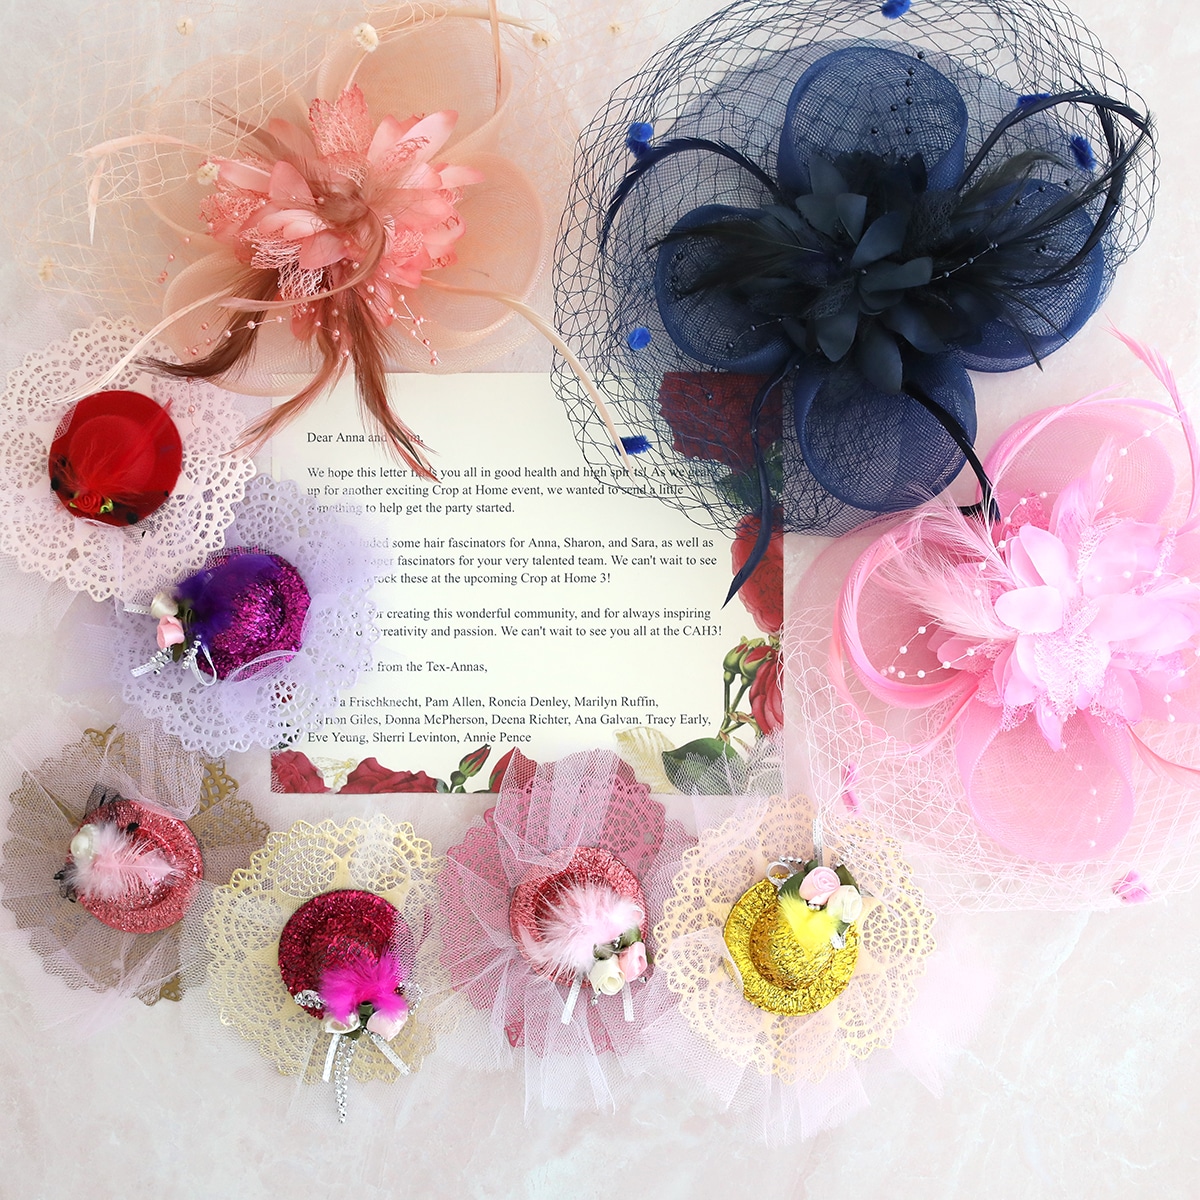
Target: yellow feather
(812, 928)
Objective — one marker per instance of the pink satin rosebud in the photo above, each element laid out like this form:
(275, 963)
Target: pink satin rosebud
(387, 1027)
(818, 885)
(170, 632)
(632, 961)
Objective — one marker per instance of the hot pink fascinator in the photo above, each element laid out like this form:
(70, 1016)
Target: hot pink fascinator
(1015, 687)
(320, 953)
(352, 195)
(546, 911)
(111, 845)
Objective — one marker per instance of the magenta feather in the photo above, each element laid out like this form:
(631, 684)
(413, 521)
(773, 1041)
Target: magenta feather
(120, 865)
(364, 980)
(584, 915)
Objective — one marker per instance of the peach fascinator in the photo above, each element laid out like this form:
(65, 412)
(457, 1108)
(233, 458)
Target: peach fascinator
(352, 194)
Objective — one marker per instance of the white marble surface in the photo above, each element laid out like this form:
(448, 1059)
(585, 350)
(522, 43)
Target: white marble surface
(1083, 1081)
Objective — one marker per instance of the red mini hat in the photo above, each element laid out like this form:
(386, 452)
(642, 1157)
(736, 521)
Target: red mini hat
(115, 458)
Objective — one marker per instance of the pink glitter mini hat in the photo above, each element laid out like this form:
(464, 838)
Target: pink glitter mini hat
(111, 845)
(546, 908)
(255, 647)
(1018, 693)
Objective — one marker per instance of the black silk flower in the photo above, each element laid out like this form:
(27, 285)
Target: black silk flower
(845, 229)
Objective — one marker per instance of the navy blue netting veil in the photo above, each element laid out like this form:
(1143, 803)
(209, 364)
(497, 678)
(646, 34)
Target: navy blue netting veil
(795, 231)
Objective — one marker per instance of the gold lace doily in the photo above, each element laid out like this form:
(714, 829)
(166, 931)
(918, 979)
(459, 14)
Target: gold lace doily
(776, 973)
(224, 825)
(248, 915)
(895, 938)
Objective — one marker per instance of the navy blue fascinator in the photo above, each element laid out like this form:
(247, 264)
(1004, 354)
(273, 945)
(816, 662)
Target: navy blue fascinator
(798, 228)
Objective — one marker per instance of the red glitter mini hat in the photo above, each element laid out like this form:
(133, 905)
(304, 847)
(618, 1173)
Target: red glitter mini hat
(132, 865)
(115, 458)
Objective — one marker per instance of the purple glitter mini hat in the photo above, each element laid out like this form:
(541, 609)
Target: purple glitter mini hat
(255, 647)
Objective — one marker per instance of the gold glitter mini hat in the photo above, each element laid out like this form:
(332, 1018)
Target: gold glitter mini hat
(321, 911)
(783, 1029)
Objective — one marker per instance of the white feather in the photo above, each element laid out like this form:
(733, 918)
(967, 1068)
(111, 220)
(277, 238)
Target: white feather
(585, 915)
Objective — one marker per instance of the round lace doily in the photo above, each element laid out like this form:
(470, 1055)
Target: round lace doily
(133, 562)
(895, 939)
(47, 809)
(278, 704)
(248, 915)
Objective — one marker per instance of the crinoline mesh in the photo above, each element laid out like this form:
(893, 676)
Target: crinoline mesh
(134, 562)
(45, 812)
(544, 815)
(729, 80)
(281, 702)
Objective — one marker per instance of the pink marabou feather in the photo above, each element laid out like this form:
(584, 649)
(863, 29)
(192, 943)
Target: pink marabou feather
(119, 866)
(585, 915)
(366, 980)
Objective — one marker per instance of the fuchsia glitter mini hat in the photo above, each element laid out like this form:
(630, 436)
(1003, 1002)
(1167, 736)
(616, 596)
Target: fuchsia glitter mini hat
(320, 953)
(546, 908)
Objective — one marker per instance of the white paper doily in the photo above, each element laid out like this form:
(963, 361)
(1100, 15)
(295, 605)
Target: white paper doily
(284, 700)
(133, 562)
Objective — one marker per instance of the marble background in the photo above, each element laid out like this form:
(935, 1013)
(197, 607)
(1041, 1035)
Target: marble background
(1082, 1082)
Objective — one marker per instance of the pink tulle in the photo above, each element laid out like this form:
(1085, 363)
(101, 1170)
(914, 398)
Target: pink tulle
(366, 980)
(548, 817)
(1039, 641)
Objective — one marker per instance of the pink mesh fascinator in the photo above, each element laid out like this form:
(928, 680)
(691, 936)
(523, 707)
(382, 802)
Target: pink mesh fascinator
(546, 911)
(320, 953)
(110, 846)
(253, 648)
(365, 199)
(1014, 688)
(796, 964)
(114, 493)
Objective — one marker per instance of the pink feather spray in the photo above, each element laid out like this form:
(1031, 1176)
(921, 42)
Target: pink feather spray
(364, 980)
(584, 915)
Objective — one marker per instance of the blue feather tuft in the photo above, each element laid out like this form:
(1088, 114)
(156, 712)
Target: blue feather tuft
(1032, 98)
(637, 139)
(1085, 156)
(638, 339)
(638, 444)
(895, 8)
